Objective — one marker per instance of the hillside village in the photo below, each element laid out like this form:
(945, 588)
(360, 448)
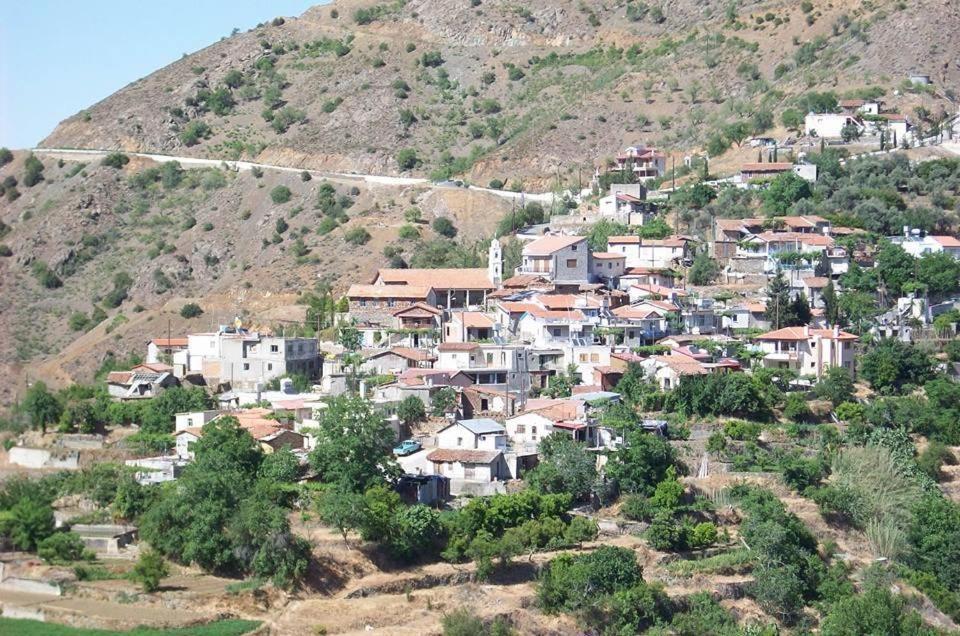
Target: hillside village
(699, 388)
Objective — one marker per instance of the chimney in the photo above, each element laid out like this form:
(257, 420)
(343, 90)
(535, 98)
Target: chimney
(836, 331)
(806, 331)
(906, 231)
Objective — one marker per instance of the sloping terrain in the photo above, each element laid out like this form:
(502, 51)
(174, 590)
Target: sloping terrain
(538, 91)
(216, 238)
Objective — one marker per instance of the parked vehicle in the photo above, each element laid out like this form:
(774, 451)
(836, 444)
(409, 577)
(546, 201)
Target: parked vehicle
(407, 447)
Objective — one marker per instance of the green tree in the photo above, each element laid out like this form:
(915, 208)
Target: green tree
(343, 509)
(894, 267)
(30, 521)
(411, 410)
(831, 304)
(850, 132)
(63, 547)
(778, 311)
(836, 386)
(41, 406)
(570, 583)
(443, 401)
(783, 191)
(641, 463)
(704, 269)
(893, 366)
(353, 446)
(876, 611)
(281, 467)
(566, 466)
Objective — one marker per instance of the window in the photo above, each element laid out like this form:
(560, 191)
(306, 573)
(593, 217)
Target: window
(269, 366)
(362, 302)
(583, 357)
(594, 357)
(489, 358)
(573, 248)
(274, 348)
(246, 366)
(521, 429)
(556, 331)
(571, 262)
(609, 265)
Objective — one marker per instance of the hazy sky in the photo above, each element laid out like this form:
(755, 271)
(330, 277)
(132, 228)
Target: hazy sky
(59, 56)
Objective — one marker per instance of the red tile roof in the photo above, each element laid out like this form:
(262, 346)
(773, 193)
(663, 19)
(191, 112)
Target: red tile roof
(474, 319)
(448, 278)
(457, 346)
(548, 245)
(568, 301)
(465, 456)
(170, 342)
(798, 333)
(766, 167)
(418, 310)
(406, 292)
(946, 241)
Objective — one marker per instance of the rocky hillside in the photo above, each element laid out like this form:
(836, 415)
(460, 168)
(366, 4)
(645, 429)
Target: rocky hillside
(97, 259)
(502, 90)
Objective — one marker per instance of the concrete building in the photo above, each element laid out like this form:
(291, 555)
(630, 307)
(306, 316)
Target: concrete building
(245, 359)
(565, 260)
(917, 243)
(809, 352)
(651, 253)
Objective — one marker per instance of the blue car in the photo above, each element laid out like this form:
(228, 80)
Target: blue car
(407, 447)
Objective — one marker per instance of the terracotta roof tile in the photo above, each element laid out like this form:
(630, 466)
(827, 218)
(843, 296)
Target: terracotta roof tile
(450, 455)
(447, 278)
(547, 245)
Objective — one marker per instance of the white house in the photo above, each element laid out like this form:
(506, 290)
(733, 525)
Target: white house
(468, 470)
(808, 351)
(915, 243)
(480, 434)
(651, 253)
(194, 418)
(829, 125)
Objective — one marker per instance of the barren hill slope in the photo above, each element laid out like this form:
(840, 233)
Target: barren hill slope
(506, 90)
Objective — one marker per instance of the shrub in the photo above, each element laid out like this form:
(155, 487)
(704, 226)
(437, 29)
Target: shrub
(193, 132)
(409, 232)
(5, 250)
(407, 159)
(357, 236)
(63, 547)
(280, 194)
(742, 431)
(191, 310)
(5, 156)
(286, 117)
(444, 227)
(149, 570)
(431, 58)
(32, 171)
(115, 160)
(305, 176)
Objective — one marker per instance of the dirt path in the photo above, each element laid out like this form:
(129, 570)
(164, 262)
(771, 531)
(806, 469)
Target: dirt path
(76, 154)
